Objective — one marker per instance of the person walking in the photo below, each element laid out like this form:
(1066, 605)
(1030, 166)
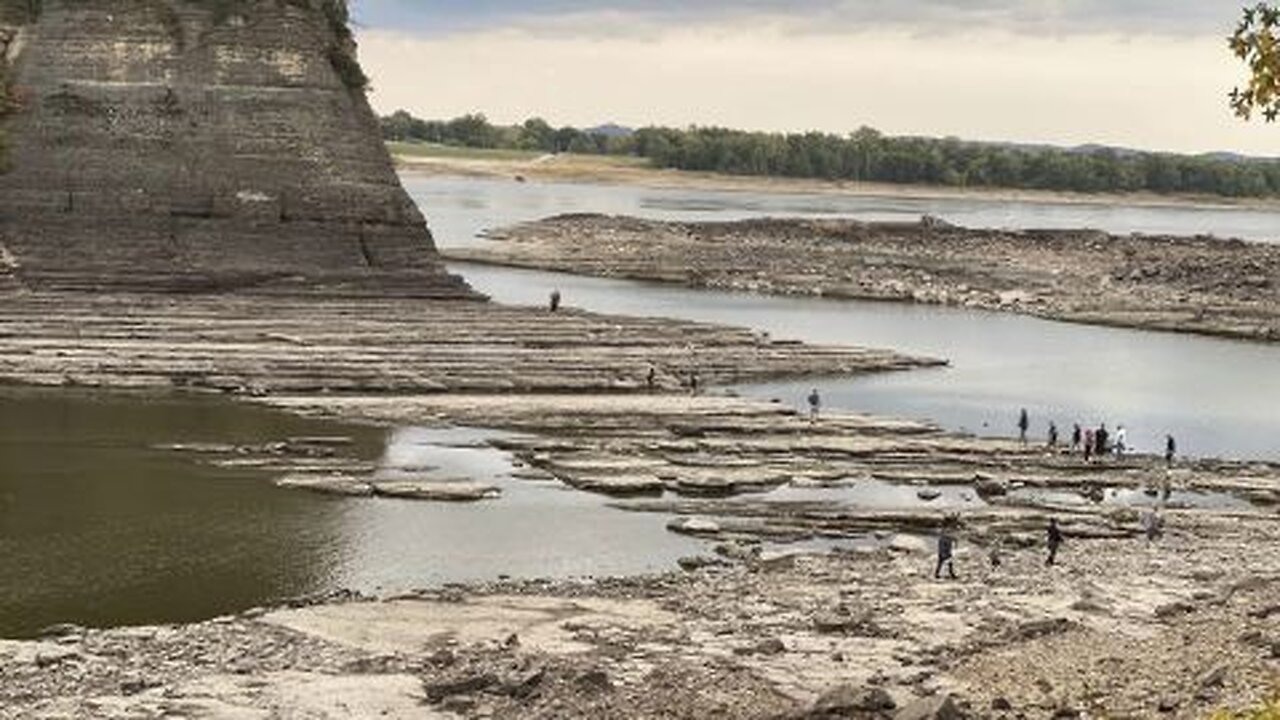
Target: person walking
(1023, 424)
(1121, 447)
(815, 403)
(1088, 444)
(1054, 541)
(1101, 438)
(946, 549)
(554, 303)
(1075, 437)
(651, 377)
(1170, 447)
(1053, 435)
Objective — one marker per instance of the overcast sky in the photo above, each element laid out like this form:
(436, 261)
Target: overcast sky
(1140, 73)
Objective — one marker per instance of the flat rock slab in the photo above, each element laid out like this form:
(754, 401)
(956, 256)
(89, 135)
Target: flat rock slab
(438, 490)
(291, 694)
(328, 484)
(541, 623)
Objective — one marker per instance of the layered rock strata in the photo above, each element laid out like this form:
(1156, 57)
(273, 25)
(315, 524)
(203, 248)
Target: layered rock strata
(1187, 284)
(179, 145)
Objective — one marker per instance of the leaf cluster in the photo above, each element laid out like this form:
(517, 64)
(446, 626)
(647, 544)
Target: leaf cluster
(1256, 41)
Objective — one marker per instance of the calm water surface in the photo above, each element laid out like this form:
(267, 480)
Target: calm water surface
(1217, 397)
(98, 527)
(457, 208)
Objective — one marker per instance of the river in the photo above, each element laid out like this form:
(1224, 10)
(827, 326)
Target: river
(101, 526)
(1216, 397)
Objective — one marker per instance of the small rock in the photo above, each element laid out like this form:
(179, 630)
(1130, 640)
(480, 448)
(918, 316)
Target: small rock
(697, 562)
(464, 686)
(1040, 628)
(461, 704)
(1174, 609)
(61, 630)
(1212, 678)
(527, 685)
(770, 646)
(928, 494)
(47, 658)
(594, 680)
(133, 686)
(694, 526)
(939, 707)
(850, 700)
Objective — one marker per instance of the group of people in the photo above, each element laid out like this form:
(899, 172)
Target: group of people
(1093, 442)
(947, 546)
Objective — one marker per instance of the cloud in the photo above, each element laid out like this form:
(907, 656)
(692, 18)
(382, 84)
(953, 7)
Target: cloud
(611, 17)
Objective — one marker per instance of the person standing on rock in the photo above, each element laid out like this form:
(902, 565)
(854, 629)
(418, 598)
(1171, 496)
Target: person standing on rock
(651, 377)
(1023, 424)
(1053, 435)
(555, 300)
(1075, 437)
(1120, 441)
(1054, 541)
(693, 382)
(1088, 444)
(1170, 447)
(815, 403)
(946, 548)
(1100, 439)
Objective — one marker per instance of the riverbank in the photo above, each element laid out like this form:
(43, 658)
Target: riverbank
(1118, 629)
(567, 167)
(766, 623)
(1200, 285)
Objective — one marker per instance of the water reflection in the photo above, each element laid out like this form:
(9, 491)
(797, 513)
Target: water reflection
(99, 527)
(1218, 397)
(453, 204)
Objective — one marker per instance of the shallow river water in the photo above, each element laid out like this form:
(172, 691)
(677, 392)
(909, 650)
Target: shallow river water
(1216, 397)
(97, 526)
(100, 526)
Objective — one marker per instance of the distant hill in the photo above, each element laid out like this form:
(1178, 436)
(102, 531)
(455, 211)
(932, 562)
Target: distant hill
(610, 130)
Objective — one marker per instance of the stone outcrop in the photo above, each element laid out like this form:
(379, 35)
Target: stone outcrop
(180, 145)
(1199, 284)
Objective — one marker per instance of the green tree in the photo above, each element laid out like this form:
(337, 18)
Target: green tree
(1256, 41)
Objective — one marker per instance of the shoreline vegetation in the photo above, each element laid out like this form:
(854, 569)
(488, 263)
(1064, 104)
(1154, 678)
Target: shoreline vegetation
(438, 159)
(867, 155)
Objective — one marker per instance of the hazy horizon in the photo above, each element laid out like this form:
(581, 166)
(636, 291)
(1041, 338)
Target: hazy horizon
(1136, 74)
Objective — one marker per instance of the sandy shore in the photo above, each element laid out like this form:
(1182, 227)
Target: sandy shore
(600, 169)
(1200, 285)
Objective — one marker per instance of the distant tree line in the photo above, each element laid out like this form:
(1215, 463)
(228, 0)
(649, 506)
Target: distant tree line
(868, 155)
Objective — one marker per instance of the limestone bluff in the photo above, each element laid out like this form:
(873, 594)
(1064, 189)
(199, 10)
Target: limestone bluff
(199, 145)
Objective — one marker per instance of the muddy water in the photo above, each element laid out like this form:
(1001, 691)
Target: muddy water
(100, 528)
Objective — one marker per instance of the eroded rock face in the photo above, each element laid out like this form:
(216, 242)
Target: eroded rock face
(201, 144)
